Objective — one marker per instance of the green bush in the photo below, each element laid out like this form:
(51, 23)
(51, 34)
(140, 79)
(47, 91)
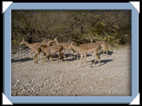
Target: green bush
(34, 25)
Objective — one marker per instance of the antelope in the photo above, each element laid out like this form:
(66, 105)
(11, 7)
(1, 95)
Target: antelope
(65, 45)
(50, 50)
(43, 43)
(49, 43)
(75, 52)
(103, 44)
(32, 46)
(85, 49)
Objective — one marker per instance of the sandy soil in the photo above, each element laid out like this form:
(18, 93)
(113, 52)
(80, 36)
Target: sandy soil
(111, 78)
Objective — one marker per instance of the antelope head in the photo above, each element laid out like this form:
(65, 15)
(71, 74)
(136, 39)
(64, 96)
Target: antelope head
(22, 42)
(55, 39)
(71, 43)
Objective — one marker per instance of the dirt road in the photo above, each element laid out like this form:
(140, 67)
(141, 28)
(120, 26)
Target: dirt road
(111, 78)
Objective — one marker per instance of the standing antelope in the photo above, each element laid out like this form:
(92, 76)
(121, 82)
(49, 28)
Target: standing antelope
(32, 46)
(103, 44)
(51, 50)
(85, 49)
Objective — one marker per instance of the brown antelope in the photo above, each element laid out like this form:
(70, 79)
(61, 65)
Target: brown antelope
(51, 50)
(47, 43)
(43, 43)
(65, 46)
(85, 49)
(32, 46)
(103, 44)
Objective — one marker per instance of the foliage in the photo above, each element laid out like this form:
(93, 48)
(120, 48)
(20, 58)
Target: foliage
(35, 25)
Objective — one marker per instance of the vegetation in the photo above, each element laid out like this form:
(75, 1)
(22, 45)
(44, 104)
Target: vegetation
(35, 25)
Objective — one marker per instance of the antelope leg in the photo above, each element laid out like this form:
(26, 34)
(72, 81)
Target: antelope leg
(80, 60)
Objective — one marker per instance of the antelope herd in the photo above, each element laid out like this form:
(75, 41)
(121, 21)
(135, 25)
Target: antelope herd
(50, 47)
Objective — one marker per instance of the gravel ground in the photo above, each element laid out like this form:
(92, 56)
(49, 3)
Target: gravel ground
(111, 78)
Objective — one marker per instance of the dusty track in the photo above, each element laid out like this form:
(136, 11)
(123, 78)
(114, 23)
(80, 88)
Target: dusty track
(111, 78)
